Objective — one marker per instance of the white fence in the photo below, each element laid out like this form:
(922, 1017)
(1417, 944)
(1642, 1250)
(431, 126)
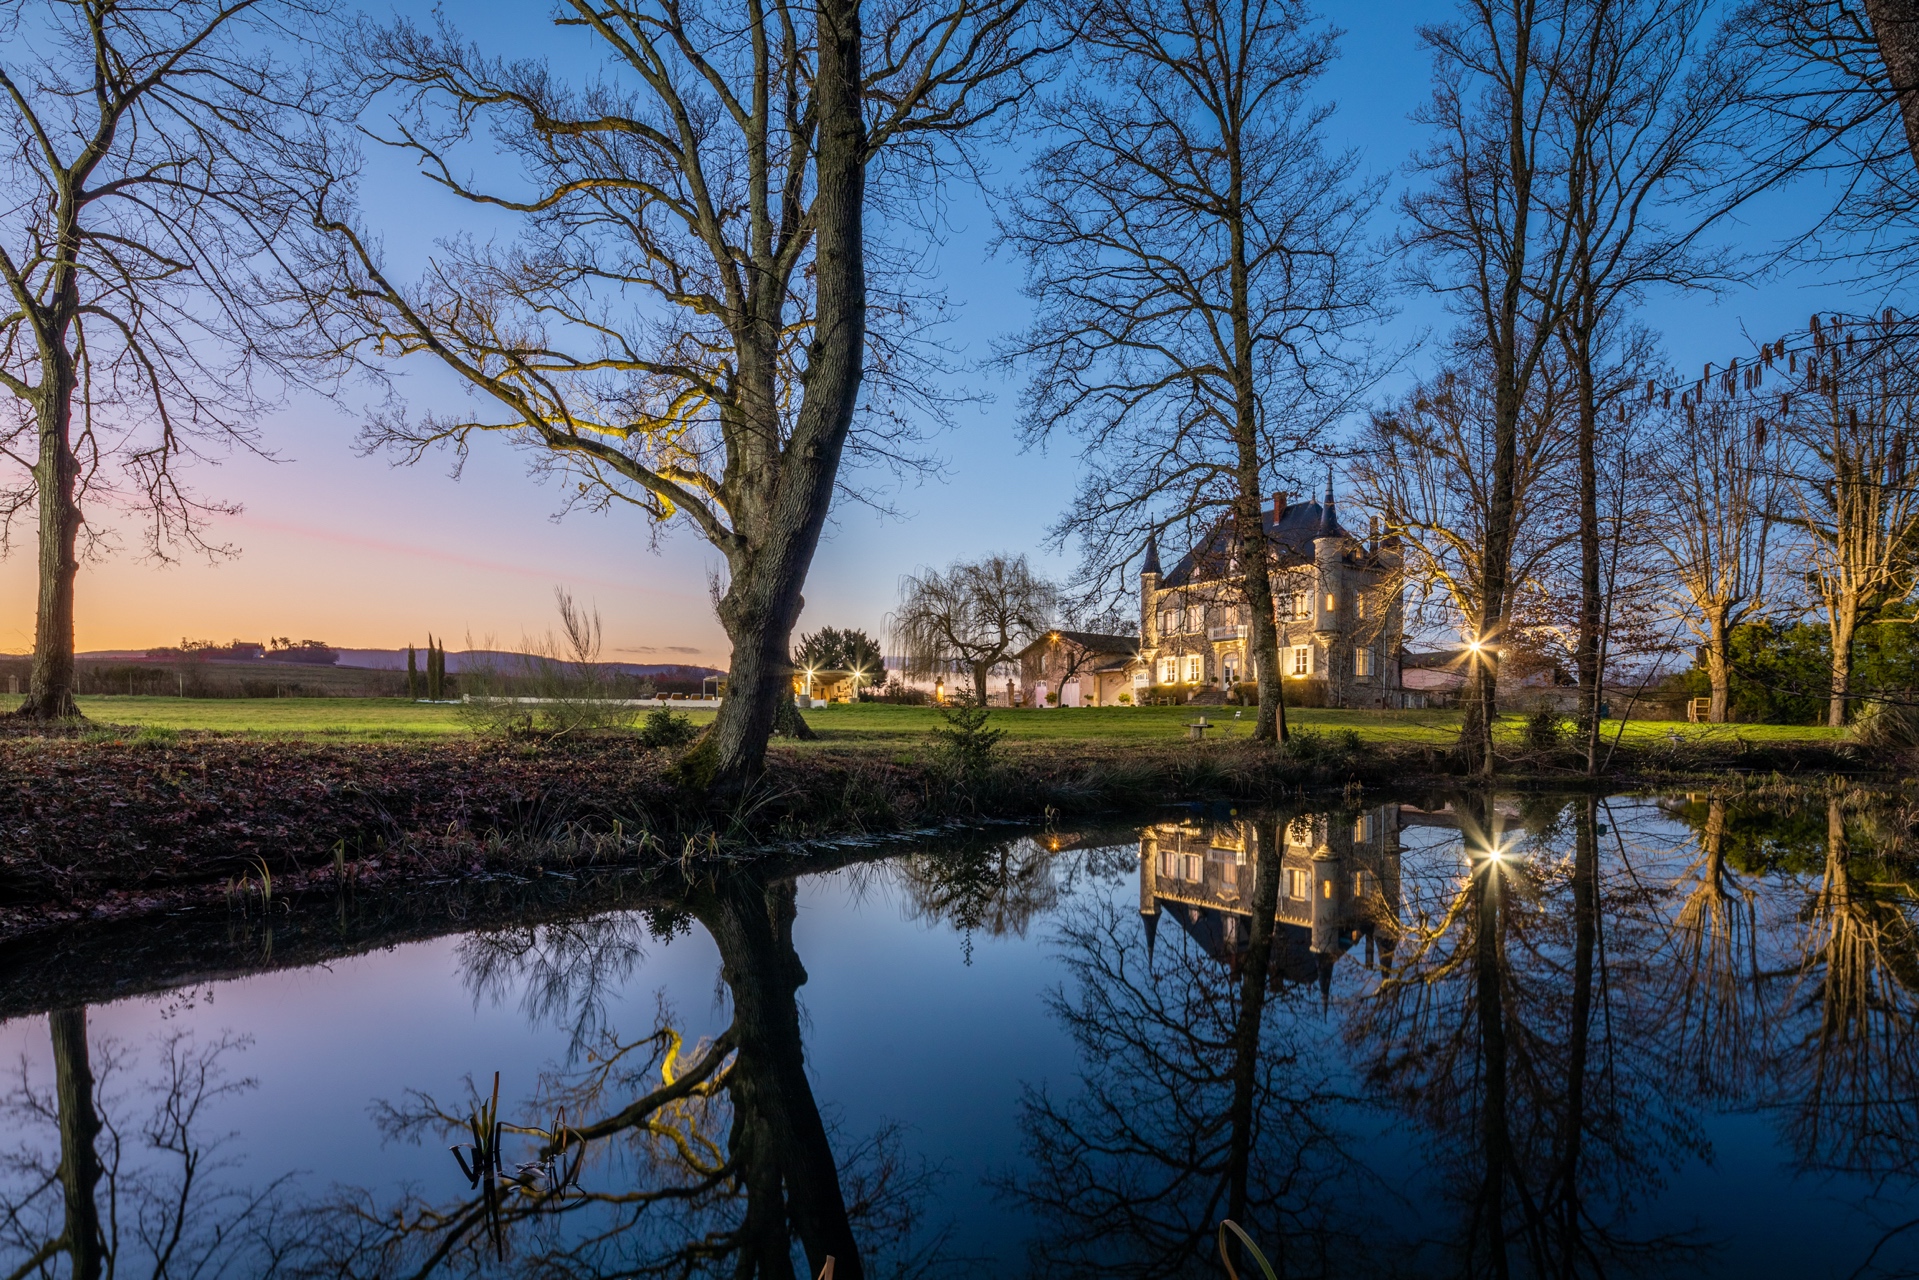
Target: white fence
(678, 704)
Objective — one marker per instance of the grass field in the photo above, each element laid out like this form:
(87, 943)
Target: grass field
(388, 718)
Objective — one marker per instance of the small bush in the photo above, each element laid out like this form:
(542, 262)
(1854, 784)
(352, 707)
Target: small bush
(1887, 726)
(1545, 731)
(154, 736)
(667, 729)
(1125, 699)
(965, 741)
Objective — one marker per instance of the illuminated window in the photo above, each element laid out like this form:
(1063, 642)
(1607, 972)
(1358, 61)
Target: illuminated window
(1189, 867)
(1332, 602)
(1167, 674)
(1302, 604)
(1362, 883)
(1359, 606)
(1299, 885)
(1302, 659)
(1194, 668)
(1363, 828)
(1195, 617)
(1169, 622)
(1326, 887)
(1362, 662)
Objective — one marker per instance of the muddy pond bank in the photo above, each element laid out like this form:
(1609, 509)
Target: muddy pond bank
(116, 828)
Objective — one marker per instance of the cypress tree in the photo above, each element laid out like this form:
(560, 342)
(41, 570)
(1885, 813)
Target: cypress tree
(436, 672)
(412, 672)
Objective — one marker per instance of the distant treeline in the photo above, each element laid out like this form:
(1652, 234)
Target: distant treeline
(278, 649)
(275, 676)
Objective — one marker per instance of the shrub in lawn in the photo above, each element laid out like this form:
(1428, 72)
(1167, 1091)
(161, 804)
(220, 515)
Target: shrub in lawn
(558, 686)
(1545, 731)
(155, 736)
(663, 728)
(964, 740)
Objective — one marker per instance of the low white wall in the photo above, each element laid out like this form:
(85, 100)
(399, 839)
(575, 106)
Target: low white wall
(681, 704)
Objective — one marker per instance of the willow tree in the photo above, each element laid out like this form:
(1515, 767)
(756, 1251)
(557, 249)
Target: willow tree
(1198, 261)
(970, 617)
(682, 325)
(146, 197)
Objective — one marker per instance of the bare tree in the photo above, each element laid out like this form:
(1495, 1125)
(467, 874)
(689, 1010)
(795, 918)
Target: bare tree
(1199, 265)
(683, 325)
(142, 209)
(1855, 479)
(1488, 241)
(1722, 467)
(1426, 467)
(970, 617)
(1641, 118)
(1835, 85)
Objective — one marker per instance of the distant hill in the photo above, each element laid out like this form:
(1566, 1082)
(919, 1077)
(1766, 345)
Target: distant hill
(395, 660)
(466, 660)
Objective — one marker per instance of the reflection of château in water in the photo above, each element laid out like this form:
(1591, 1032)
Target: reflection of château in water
(1338, 887)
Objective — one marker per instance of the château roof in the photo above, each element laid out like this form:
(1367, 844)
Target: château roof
(1291, 536)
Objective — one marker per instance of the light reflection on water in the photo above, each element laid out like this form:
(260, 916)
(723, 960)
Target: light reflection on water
(1538, 1036)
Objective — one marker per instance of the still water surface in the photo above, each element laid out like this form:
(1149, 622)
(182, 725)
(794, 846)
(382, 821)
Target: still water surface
(1549, 1036)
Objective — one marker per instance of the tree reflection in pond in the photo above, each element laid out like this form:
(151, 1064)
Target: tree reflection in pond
(113, 1170)
(1459, 1039)
(1204, 1088)
(703, 1158)
(1511, 1029)
(1846, 1076)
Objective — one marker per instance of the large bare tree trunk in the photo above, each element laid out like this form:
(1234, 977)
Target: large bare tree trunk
(1719, 666)
(1895, 29)
(56, 477)
(1270, 722)
(1845, 627)
(79, 1129)
(763, 603)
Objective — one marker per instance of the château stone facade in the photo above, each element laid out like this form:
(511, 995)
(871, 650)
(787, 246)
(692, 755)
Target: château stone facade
(1338, 604)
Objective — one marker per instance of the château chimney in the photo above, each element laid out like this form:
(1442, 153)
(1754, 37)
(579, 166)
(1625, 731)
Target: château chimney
(1279, 507)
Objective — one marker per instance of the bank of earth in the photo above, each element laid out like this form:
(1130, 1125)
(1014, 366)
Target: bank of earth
(119, 822)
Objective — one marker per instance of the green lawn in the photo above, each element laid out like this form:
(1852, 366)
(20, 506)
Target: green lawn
(378, 718)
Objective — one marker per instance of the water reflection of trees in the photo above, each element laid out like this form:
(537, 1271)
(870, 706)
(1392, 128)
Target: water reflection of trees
(1511, 1027)
(999, 887)
(1553, 1002)
(111, 1171)
(1202, 1094)
(1846, 1078)
(699, 1158)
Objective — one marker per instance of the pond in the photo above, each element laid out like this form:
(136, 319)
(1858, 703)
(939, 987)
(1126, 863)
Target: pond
(1513, 1036)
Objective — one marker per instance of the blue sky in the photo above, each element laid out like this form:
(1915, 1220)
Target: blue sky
(359, 552)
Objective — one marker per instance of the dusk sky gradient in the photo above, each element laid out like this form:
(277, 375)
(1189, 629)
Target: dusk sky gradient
(361, 553)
